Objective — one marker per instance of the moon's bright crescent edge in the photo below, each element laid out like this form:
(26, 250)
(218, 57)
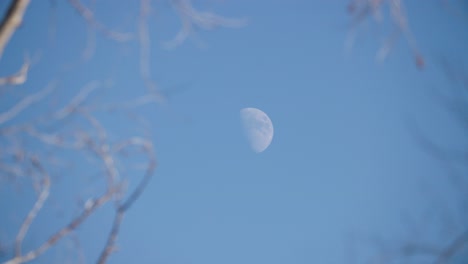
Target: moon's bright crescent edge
(258, 128)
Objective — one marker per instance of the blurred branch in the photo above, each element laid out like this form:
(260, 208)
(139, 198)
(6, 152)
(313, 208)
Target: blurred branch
(455, 160)
(453, 248)
(123, 207)
(405, 252)
(19, 77)
(190, 18)
(144, 40)
(100, 147)
(88, 15)
(145, 51)
(361, 9)
(441, 255)
(79, 98)
(11, 21)
(36, 208)
(90, 206)
(25, 103)
(46, 135)
(88, 210)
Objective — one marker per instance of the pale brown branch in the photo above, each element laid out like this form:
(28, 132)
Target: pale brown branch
(182, 35)
(25, 103)
(101, 131)
(90, 48)
(11, 21)
(50, 139)
(79, 249)
(387, 46)
(122, 208)
(400, 19)
(137, 102)
(110, 244)
(144, 40)
(109, 163)
(15, 171)
(36, 208)
(88, 210)
(105, 153)
(77, 100)
(89, 17)
(17, 78)
(191, 17)
(361, 9)
(148, 149)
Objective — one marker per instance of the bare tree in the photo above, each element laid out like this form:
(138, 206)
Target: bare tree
(445, 226)
(450, 247)
(41, 148)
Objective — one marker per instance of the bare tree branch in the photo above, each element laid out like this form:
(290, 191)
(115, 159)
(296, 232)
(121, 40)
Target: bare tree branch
(88, 15)
(11, 21)
(103, 150)
(77, 100)
(446, 248)
(19, 77)
(122, 208)
(36, 208)
(26, 102)
(453, 248)
(76, 127)
(190, 18)
(110, 244)
(144, 42)
(361, 9)
(33, 254)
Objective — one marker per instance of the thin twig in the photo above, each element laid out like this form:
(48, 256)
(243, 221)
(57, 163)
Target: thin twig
(110, 244)
(36, 208)
(88, 15)
(17, 78)
(77, 100)
(25, 103)
(361, 9)
(191, 17)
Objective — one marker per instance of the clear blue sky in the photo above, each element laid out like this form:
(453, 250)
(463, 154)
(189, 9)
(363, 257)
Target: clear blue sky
(342, 163)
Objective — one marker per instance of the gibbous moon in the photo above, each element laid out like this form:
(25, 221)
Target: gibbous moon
(257, 127)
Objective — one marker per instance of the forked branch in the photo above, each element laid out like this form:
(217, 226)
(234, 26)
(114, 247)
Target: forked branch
(147, 148)
(192, 18)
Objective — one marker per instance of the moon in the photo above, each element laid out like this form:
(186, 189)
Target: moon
(257, 127)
